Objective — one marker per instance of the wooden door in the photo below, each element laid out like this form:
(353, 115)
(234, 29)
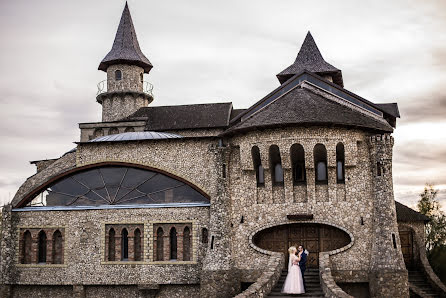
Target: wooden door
(314, 237)
(406, 238)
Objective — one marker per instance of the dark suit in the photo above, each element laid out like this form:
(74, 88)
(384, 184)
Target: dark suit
(303, 265)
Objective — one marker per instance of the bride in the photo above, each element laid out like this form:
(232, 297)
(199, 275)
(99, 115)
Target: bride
(293, 283)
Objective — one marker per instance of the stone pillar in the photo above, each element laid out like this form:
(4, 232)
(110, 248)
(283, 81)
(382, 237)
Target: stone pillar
(388, 274)
(118, 247)
(131, 247)
(180, 244)
(218, 276)
(7, 252)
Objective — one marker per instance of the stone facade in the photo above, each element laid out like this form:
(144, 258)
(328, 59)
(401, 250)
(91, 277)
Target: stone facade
(208, 248)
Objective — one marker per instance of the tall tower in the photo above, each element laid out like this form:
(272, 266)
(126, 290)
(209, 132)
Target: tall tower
(388, 274)
(125, 65)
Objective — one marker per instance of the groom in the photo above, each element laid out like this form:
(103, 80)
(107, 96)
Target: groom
(303, 262)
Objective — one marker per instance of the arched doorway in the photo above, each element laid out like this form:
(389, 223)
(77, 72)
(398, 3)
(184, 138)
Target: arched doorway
(314, 237)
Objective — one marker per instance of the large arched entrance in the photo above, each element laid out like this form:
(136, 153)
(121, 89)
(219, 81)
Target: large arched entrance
(314, 237)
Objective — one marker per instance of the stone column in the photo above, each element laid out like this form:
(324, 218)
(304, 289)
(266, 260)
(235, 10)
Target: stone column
(388, 274)
(218, 276)
(118, 247)
(131, 247)
(7, 253)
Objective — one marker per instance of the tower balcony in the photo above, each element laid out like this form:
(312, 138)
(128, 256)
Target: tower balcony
(147, 88)
(104, 90)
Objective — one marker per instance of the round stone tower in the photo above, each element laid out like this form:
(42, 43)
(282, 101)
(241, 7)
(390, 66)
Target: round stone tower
(125, 91)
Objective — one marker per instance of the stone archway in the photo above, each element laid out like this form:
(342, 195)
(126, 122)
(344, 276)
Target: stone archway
(314, 237)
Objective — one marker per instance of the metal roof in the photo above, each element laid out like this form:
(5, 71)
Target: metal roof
(136, 136)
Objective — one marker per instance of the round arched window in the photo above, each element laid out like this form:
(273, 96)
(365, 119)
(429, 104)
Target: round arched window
(118, 75)
(117, 185)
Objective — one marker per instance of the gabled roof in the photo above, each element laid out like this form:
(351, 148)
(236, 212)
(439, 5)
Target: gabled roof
(125, 48)
(406, 214)
(310, 58)
(301, 106)
(214, 115)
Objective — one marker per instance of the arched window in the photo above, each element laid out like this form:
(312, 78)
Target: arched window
(57, 251)
(129, 129)
(173, 244)
(119, 185)
(186, 244)
(160, 244)
(113, 131)
(204, 235)
(118, 75)
(320, 164)
(255, 152)
(275, 165)
(124, 245)
(41, 254)
(26, 248)
(340, 163)
(98, 132)
(298, 164)
(111, 244)
(137, 245)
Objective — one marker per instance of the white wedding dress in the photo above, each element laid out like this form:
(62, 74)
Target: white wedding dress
(294, 283)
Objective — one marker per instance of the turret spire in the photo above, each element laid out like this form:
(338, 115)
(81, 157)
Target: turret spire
(125, 48)
(310, 58)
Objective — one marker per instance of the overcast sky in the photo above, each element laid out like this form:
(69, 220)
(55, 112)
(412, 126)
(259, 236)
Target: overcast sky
(220, 51)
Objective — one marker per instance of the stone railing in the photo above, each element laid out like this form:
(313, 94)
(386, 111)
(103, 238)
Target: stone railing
(267, 280)
(329, 286)
(433, 279)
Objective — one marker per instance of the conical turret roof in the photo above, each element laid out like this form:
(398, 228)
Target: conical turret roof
(125, 48)
(310, 58)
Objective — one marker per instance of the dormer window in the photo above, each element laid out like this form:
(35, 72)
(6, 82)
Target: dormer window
(118, 75)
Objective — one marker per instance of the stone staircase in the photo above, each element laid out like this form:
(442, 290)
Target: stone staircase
(312, 281)
(420, 285)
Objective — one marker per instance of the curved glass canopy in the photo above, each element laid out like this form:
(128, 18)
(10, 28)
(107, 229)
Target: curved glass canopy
(117, 185)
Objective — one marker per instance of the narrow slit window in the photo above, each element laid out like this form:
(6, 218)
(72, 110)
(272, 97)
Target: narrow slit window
(124, 245)
(394, 240)
(111, 245)
(137, 245)
(186, 244)
(173, 244)
(41, 247)
(160, 244)
(204, 236)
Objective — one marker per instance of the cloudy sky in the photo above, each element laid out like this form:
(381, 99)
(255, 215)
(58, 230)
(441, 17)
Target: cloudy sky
(219, 51)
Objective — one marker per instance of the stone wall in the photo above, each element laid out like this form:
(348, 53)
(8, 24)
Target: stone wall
(85, 244)
(344, 211)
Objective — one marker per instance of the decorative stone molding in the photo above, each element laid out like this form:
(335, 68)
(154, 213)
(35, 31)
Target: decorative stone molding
(336, 251)
(264, 284)
(329, 286)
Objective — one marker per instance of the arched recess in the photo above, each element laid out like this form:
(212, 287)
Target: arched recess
(124, 245)
(173, 244)
(26, 247)
(186, 244)
(41, 247)
(111, 244)
(57, 249)
(314, 236)
(320, 164)
(204, 197)
(137, 245)
(160, 244)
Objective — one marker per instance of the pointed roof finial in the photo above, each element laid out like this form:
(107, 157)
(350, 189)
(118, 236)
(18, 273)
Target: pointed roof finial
(310, 58)
(125, 48)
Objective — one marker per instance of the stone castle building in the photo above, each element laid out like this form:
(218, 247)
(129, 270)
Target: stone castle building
(203, 200)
